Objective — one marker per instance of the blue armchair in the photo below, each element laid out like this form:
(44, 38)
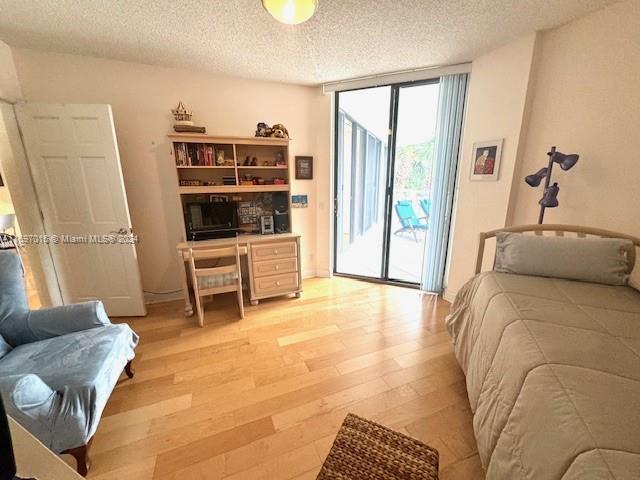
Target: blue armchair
(58, 366)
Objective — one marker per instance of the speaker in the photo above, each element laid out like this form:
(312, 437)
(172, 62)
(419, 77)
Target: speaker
(280, 202)
(281, 212)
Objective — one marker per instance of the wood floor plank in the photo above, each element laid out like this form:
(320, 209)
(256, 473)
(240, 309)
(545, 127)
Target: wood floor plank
(309, 334)
(263, 397)
(207, 447)
(285, 466)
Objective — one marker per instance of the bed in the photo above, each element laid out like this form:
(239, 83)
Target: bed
(552, 370)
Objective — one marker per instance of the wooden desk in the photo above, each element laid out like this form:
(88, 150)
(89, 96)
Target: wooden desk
(35, 460)
(273, 264)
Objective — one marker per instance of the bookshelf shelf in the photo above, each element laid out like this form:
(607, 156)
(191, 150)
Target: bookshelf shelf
(233, 189)
(228, 167)
(261, 167)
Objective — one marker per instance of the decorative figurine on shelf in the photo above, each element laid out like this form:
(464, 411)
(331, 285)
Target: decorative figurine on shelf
(279, 131)
(280, 160)
(219, 158)
(247, 161)
(263, 130)
(254, 162)
(183, 123)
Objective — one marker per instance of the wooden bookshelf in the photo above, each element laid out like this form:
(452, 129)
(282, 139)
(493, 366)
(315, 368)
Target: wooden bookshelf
(273, 261)
(236, 149)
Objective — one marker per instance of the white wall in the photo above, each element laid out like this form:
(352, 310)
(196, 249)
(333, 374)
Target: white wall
(322, 125)
(495, 109)
(9, 92)
(9, 85)
(17, 180)
(142, 97)
(587, 101)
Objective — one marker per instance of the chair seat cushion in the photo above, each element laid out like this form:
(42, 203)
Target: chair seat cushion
(83, 368)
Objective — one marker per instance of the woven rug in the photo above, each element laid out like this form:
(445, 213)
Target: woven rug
(364, 450)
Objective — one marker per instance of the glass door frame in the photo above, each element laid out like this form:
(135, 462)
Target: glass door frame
(390, 176)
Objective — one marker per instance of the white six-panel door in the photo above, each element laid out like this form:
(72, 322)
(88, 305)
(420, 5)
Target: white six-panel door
(73, 156)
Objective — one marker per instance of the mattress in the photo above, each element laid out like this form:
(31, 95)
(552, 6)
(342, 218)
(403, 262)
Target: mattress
(553, 376)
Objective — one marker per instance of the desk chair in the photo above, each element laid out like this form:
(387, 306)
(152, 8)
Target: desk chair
(215, 280)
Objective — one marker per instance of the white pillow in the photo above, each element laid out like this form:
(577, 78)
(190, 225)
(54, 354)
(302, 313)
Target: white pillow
(597, 260)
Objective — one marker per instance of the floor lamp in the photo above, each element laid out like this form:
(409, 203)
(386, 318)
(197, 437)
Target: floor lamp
(550, 197)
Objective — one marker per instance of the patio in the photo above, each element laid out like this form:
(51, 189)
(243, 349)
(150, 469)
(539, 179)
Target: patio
(363, 256)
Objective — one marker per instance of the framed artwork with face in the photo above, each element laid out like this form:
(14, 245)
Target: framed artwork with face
(485, 162)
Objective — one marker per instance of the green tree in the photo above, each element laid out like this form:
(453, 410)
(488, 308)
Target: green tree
(414, 166)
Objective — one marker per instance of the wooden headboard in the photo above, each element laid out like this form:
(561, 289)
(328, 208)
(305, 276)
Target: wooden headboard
(560, 231)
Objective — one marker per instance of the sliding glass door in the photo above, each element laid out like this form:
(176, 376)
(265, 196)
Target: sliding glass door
(361, 172)
(385, 144)
(411, 179)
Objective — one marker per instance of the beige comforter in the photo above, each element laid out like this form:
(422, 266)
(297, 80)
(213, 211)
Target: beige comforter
(553, 376)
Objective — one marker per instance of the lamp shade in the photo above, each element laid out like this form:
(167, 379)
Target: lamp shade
(565, 161)
(534, 179)
(291, 12)
(550, 198)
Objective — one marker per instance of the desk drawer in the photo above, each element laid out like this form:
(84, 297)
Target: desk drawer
(286, 282)
(274, 267)
(272, 251)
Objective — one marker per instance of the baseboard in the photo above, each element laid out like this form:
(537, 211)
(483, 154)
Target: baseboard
(151, 298)
(308, 274)
(323, 273)
(449, 295)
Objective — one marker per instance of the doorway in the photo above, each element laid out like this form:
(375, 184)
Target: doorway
(385, 147)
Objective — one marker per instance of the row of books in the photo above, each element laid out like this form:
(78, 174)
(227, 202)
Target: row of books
(194, 155)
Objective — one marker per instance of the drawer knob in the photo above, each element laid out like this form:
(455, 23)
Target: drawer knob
(275, 252)
(277, 267)
(278, 284)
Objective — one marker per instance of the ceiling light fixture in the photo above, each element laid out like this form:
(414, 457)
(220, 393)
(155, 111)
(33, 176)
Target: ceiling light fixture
(291, 12)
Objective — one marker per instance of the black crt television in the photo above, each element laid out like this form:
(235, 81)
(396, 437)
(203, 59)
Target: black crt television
(206, 220)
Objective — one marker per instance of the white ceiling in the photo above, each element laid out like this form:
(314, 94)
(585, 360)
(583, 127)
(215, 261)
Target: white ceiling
(345, 39)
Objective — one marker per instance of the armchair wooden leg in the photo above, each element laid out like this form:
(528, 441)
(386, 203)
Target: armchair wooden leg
(128, 369)
(81, 454)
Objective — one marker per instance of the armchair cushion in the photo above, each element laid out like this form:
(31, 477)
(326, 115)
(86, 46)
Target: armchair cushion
(36, 325)
(81, 368)
(4, 347)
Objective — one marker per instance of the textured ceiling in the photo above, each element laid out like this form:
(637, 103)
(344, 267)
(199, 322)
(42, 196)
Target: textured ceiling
(345, 39)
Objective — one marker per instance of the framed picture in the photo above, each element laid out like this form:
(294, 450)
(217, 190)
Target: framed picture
(485, 162)
(304, 168)
(299, 201)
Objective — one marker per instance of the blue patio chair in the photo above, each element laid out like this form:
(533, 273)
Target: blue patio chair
(408, 219)
(425, 205)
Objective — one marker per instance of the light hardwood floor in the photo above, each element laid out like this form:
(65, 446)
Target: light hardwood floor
(263, 397)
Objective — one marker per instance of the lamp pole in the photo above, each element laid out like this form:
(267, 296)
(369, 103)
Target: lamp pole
(547, 181)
